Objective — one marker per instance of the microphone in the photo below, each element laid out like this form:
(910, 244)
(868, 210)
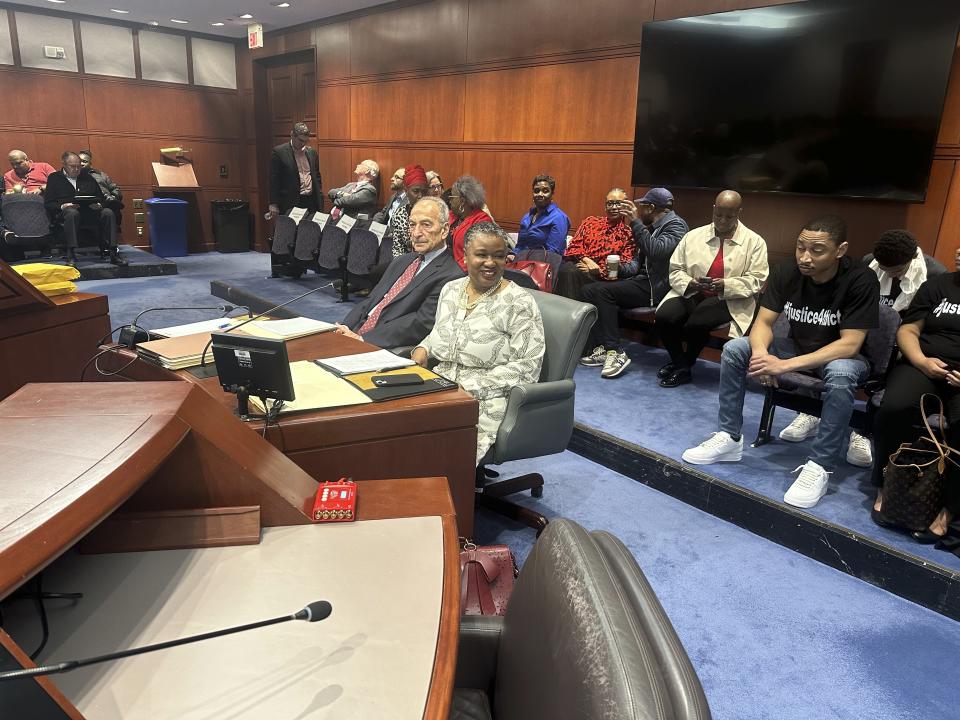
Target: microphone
(133, 333)
(314, 612)
(203, 355)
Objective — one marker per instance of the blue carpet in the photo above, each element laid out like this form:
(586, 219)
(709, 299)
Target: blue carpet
(692, 412)
(772, 634)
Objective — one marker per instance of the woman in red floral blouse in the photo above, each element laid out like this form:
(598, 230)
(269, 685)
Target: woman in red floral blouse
(585, 260)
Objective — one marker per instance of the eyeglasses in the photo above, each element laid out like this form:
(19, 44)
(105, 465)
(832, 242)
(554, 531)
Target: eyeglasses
(613, 203)
(436, 185)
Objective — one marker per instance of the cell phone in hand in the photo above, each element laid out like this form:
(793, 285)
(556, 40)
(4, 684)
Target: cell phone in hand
(397, 380)
(705, 281)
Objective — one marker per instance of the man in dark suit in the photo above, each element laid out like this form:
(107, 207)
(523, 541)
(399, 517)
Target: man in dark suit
(401, 309)
(294, 180)
(63, 188)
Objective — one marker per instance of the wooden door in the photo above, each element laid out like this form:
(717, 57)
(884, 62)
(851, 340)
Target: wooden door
(288, 88)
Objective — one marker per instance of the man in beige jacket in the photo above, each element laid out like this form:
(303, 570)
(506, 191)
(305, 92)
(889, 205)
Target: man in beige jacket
(716, 274)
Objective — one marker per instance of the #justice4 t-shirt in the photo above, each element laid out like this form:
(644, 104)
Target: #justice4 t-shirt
(937, 303)
(818, 312)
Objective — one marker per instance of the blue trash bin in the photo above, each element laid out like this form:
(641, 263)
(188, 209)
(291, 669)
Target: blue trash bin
(167, 219)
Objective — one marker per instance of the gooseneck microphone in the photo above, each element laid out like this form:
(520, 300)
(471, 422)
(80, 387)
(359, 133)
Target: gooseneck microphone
(315, 611)
(203, 355)
(133, 333)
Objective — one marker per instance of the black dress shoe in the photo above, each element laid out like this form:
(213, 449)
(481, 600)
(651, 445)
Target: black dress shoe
(680, 377)
(926, 537)
(70, 259)
(880, 519)
(666, 371)
(117, 259)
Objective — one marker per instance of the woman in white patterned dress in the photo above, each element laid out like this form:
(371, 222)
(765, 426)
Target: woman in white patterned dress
(488, 336)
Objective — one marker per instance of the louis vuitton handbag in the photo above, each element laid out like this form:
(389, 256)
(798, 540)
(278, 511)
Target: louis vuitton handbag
(914, 476)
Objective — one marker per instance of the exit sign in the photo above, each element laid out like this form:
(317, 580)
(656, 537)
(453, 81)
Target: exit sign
(254, 36)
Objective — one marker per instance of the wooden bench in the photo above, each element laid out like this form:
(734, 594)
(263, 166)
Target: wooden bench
(637, 324)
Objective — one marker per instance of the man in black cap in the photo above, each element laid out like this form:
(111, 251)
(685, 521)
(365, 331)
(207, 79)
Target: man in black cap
(656, 230)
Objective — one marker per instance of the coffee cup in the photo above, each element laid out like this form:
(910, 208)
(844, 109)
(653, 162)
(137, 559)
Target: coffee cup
(613, 266)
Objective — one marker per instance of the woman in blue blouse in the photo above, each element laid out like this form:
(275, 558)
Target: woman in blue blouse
(544, 227)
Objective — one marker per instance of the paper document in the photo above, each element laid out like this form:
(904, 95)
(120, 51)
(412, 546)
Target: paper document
(296, 214)
(346, 223)
(320, 219)
(378, 229)
(316, 389)
(214, 325)
(286, 329)
(365, 362)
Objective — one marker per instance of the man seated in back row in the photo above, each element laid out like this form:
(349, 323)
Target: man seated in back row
(74, 199)
(901, 267)
(25, 175)
(401, 309)
(831, 302)
(644, 278)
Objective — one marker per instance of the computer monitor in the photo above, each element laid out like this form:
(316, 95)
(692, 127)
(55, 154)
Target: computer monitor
(252, 366)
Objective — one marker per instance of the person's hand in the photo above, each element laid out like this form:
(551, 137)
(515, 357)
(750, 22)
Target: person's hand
(96, 206)
(628, 211)
(273, 210)
(717, 285)
(419, 356)
(953, 378)
(586, 265)
(68, 205)
(935, 369)
(766, 364)
(347, 332)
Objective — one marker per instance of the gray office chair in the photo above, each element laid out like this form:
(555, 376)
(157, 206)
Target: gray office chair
(539, 416)
(584, 637)
(27, 226)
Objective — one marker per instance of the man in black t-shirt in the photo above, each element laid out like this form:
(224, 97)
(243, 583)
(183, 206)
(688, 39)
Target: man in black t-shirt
(830, 302)
(901, 267)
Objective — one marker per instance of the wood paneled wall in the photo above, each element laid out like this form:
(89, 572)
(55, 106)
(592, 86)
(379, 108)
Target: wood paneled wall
(505, 89)
(124, 123)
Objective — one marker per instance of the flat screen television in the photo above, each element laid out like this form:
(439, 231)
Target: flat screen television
(840, 98)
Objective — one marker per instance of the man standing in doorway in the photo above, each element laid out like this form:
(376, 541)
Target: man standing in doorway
(294, 181)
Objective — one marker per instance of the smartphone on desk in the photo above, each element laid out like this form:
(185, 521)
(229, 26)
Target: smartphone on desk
(397, 380)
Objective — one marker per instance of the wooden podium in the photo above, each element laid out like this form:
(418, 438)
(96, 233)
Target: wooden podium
(46, 339)
(161, 452)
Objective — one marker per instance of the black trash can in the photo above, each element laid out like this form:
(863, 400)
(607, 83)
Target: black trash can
(231, 225)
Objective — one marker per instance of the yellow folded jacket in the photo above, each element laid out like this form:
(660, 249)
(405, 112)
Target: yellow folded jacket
(57, 288)
(38, 274)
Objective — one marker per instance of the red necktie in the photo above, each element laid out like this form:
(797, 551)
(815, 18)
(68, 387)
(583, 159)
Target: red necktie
(398, 286)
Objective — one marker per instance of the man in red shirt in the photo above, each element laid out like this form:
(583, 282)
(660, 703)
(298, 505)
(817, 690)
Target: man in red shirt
(26, 176)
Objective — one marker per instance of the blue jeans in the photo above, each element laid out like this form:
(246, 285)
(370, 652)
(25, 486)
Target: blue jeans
(841, 378)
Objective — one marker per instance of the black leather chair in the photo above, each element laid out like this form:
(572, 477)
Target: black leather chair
(584, 637)
(539, 416)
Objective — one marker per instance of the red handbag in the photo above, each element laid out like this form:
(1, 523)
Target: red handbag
(540, 271)
(487, 574)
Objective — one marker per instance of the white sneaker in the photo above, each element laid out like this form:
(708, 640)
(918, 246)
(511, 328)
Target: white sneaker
(859, 451)
(809, 487)
(595, 358)
(719, 447)
(802, 427)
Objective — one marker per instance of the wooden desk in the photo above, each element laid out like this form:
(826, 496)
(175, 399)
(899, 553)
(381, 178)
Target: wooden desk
(166, 446)
(50, 342)
(418, 436)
